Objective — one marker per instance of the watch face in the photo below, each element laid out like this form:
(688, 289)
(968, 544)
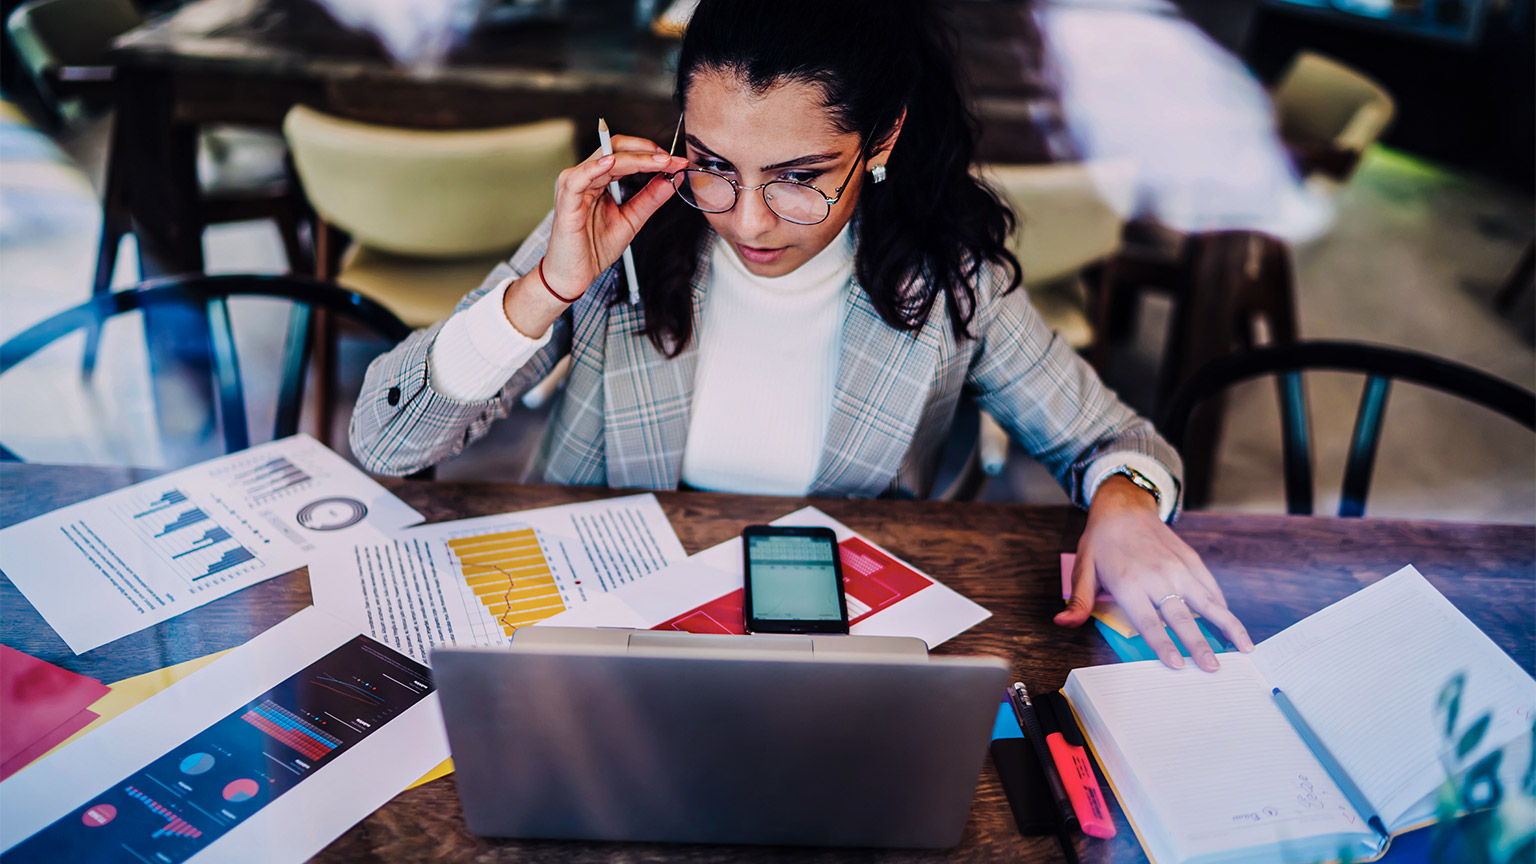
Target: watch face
(331, 514)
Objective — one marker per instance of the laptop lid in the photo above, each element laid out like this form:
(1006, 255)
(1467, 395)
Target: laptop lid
(640, 736)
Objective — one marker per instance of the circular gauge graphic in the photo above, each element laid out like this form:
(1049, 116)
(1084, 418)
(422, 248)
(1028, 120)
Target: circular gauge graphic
(331, 514)
(241, 790)
(99, 815)
(197, 763)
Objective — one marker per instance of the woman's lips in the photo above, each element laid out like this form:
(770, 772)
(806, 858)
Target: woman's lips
(760, 256)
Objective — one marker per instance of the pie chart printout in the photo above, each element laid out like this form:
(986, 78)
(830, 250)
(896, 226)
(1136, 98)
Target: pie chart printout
(225, 774)
(196, 764)
(99, 815)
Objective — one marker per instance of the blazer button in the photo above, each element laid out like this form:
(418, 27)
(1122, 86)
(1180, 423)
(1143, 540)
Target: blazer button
(394, 396)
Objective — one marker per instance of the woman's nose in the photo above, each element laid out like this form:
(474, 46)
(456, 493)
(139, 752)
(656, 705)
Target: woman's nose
(752, 216)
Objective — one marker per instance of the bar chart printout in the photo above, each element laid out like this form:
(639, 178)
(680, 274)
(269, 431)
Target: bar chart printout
(111, 565)
(477, 581)
(190, 797)
(509, 576)
(186, 538)
(270, 479)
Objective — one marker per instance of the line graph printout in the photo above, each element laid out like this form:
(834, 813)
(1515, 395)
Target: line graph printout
(120, 562)
(477, 581)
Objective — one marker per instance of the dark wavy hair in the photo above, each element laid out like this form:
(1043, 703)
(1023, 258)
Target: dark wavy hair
(928, 230)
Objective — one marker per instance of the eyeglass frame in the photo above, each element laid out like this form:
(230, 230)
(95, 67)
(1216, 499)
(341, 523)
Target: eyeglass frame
(737, 188)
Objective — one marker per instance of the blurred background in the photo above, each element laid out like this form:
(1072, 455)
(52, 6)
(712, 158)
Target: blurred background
(1195, 180)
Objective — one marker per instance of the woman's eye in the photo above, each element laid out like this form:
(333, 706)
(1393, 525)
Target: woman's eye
(714, 165)
(800, 176)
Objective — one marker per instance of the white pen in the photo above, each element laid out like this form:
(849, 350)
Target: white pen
(618, 198)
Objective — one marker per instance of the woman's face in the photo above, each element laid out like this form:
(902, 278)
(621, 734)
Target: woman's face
(752, 138)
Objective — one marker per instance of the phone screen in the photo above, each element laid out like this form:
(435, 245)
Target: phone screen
(794, 578)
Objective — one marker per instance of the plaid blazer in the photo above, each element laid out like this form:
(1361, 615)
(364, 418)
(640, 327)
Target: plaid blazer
(622, 420)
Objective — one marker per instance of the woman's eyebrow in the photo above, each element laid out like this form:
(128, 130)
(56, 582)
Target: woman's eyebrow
(804, 160)
(812, 159)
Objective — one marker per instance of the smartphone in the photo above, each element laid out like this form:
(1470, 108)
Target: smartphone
(794, 580)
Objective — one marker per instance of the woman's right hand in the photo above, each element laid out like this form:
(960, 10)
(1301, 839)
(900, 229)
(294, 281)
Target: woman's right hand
(590, 231)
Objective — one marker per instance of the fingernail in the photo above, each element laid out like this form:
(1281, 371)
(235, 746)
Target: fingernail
(1174, 659)
(1209, 663)
(605, 161)
(661, 157)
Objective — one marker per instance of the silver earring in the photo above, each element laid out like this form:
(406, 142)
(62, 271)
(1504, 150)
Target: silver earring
(877, 173)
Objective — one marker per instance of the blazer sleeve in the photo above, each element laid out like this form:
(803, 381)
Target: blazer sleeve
(1048, 397)
(402, 424)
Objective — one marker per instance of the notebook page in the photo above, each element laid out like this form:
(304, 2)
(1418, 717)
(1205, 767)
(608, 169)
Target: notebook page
(1214, 759)
(1366, 673)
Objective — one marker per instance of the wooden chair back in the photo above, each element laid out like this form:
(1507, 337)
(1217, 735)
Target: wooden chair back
(1380, 365)
(210, 294)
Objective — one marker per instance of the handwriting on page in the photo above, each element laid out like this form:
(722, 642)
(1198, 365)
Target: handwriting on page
(1256, 776)
(1364, 673)
(1309, 799)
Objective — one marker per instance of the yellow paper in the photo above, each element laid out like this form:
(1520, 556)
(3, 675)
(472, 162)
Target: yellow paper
(1112, 615)
(1116, 619)
(131, 691)
(442, 770)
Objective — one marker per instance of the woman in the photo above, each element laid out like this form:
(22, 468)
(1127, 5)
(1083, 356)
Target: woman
(819, 278)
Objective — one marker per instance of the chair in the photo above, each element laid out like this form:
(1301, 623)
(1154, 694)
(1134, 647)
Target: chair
(1380, 365)
(210, 292)
(1329, 114)
(429, 213)
(64, 46)
(1069, 216)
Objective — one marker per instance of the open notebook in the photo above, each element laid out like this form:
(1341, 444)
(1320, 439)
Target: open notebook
(1209, 770)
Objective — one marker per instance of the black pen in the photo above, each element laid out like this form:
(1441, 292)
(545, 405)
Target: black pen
(1018, 694)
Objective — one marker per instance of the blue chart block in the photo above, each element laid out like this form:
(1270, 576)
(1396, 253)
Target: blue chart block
(1006, 725)
(1135, 647)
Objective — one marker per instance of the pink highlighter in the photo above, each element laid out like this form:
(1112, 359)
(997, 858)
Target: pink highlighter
(1066, 743)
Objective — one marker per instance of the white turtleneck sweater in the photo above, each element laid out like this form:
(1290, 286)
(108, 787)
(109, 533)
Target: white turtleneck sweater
(767, 368)
(768, 360)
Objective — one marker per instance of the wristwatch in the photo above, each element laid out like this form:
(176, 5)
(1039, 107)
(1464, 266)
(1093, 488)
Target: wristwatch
(1137, 478)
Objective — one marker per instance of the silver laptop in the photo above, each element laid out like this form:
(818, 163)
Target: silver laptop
(600, 734)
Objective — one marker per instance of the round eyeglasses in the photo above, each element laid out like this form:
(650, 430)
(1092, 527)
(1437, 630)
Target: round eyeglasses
(790, 200)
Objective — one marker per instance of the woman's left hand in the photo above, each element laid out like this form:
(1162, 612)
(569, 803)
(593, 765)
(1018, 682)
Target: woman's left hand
(1153, 575)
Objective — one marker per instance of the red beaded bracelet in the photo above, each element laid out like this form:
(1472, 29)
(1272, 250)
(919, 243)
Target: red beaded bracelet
(553, 291)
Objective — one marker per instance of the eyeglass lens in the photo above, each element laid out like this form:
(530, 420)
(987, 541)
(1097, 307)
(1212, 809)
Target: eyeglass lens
(714, 194)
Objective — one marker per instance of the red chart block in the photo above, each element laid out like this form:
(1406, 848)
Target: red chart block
(870, 576)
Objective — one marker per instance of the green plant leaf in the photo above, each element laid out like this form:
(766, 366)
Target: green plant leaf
(1480, 788)
(1450, 702)
(1530, 770)
(1473, 736)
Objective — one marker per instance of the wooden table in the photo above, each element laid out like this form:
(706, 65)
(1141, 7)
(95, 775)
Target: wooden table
(1274, 569)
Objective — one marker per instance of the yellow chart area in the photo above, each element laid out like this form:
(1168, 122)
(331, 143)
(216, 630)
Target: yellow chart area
(509, 575)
